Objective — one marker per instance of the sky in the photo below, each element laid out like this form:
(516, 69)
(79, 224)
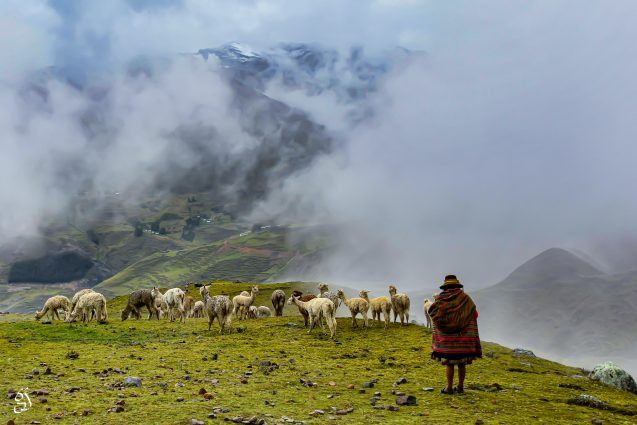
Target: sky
(513, 133)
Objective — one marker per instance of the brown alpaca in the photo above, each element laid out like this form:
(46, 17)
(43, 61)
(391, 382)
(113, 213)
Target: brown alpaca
(278, 302)
(378, 305)
(138, 299)
(304, 298)
(400, 305)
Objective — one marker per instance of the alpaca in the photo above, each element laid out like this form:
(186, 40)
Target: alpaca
(219, 307)
(189, 304)
(85, 306)
(325, 293)
(426, 305)
(317, 308)
(138, 299)
(278, 302)
(252, 312)
(204, 290)
(197, 310)
(378, 305)
(304, 298)
(400, 305)
(241, 303)
(263, 311)
(172, 300)
(52, 305)
(77, 296)
(356, 306)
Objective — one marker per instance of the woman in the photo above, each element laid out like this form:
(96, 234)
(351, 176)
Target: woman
(455, 339)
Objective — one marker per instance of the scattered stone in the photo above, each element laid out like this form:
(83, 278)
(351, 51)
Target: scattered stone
(369, 384)
(120, 395)
(58, 415)
(400, 381)
(86, 412)
(177, 385)
(79, 369)
(73, 389)
(115, 409)
(208, 396)
(243, 380)
(202, 391)
(42, 391)
(596, 421)
(611, 374)
(479, 421)
(374, 400)
(196, 422)
(47, 322)
(267, 366)
(350, 386)
(331, 383)
(344, 411)
(362, 391)
(588, 400)
(120, 402)
(315, 413)
(491, 355)
(377, 394)
(392, 408)
(428, 389)
(132, 381)
(35, 371)
(180, 399)
(406, 400)
(28, 376)
(43, 400)
(212, 416)
(382, 358)
(72, 355)
(570, 386)
(522, 352)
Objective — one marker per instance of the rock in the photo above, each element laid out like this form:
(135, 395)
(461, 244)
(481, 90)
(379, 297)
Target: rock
(43, 400)
(611, 374)
(522, 352)
(344, 411)
(350, 386)
(596, 421)
(307, 383)
(196, 422)
(400, 381)
(331, 383)
(315, 413)
(132, 381)
(382, 358)
(368, 384)
(588, 400)
(479, 421)
(35, 371)
(47, 371)
(491, 355)
(180, 399)
(202, 391)
(42, 391)
(47, 322)
(406, 400)
(208, 396)
(392, 408)
(374, 400)
(115, 409)
(212, 416)
(377, 394)
(120, 402)
(72, 355)
(428, 389)
(177, 385)
(73, 389)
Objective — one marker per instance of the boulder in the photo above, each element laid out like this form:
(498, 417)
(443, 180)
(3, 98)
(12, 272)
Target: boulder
(611, 374)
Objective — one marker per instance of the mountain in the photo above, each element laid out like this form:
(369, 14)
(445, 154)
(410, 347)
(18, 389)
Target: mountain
(557, 303)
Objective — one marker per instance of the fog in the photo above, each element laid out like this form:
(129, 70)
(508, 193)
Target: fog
(511, 134)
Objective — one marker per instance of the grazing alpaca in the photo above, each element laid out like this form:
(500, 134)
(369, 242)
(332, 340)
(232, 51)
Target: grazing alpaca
(278, 302)
(325, 293)
(52, 305)
(304, 298)
(138, 299)
(173, 300)
(400, 305)
(317, 308)
(197, 310)
(241, 303)
(219, 307)
(77, 296)
(378, 305)
(189, 304)
(356, 306)
(426, 306)
(264, 311)
(252, 312)
(85, 306)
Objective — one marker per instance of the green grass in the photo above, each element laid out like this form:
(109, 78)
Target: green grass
(171, 353)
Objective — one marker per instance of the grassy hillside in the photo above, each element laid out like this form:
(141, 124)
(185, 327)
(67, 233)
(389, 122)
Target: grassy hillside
(178, 362)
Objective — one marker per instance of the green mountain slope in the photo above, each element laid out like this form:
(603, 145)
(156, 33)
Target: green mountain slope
(178, 363)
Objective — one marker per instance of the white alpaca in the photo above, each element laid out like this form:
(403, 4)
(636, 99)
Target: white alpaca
(173, 300)
(93, 301)
(378, 305)
(52, 305)
(426, 305)
(356, 306)
(198, 309)
(264, 311)
(317, 308)
(400, 305)
(241, 303)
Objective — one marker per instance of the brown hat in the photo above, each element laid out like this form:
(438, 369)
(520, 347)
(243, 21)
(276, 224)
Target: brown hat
(451, 281)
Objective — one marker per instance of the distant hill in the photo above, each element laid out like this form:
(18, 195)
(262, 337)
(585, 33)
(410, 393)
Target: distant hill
(557, 303)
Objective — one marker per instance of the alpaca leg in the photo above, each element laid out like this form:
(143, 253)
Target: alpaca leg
(407, 317)
(354, 324)
(311, 324)
(365, 317)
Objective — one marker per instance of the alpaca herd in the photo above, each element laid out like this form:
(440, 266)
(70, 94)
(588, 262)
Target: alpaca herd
(174, 304)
